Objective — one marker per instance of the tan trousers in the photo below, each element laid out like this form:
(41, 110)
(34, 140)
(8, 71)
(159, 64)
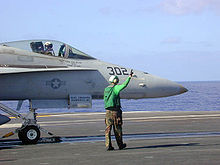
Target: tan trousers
(113, 118)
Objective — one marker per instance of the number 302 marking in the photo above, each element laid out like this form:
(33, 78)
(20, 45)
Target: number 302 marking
(117, 71)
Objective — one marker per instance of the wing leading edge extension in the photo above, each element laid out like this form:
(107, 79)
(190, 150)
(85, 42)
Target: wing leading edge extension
(8, 70)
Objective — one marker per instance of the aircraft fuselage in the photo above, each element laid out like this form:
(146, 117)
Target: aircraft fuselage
(35, 76)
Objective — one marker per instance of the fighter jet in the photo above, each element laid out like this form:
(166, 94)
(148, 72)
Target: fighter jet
(52, 74)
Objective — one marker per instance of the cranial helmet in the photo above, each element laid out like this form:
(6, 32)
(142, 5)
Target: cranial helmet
(48, 45)
(114, 79)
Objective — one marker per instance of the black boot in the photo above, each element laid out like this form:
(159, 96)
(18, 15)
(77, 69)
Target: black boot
(110, 148)
(122, 146)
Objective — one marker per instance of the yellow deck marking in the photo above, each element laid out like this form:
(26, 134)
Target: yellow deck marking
(37, 116)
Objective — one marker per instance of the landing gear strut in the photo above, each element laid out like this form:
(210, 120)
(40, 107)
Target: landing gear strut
(29, 133)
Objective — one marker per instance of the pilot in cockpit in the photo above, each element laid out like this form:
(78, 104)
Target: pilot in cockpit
(49, 48)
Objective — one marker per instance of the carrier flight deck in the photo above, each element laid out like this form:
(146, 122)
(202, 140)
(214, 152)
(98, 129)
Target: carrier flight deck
(151, 137)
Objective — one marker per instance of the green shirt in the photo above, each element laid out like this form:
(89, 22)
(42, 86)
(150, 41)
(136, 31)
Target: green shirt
(112, 95)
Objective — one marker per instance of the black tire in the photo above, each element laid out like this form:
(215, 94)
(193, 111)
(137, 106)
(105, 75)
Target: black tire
(29, 135)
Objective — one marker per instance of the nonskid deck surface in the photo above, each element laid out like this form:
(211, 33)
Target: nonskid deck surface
(152, 137)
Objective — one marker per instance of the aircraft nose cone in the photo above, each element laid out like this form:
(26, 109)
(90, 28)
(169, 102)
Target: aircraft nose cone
(183, 89)
(160, 87)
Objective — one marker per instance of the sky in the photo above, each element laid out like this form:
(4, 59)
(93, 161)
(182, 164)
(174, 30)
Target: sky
(174, 39)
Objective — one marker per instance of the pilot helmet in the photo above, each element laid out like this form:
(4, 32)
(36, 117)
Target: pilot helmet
(114, 79)
(48, 45)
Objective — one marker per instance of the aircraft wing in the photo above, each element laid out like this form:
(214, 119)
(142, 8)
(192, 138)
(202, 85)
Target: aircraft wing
(8, 70)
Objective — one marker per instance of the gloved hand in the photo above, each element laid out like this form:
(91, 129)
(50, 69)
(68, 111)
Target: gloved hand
(131, 73)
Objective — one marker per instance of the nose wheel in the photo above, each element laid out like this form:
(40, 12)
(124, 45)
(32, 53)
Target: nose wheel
(29, 134)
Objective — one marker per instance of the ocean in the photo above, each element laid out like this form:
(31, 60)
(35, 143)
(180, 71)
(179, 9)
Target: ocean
(202, 96)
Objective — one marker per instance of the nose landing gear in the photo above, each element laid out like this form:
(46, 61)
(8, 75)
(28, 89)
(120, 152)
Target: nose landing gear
(29, 134)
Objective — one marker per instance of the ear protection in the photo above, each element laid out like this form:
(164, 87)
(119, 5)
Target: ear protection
(115, 81)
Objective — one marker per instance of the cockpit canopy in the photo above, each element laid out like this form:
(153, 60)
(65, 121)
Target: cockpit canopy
(50, 48)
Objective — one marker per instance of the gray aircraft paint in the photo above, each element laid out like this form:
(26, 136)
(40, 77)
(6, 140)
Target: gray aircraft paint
(28, 75)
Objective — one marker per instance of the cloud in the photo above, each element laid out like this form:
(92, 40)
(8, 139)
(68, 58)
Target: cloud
(182, 7)
(200, 43)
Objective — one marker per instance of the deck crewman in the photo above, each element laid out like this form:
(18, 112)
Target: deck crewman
(114, 112)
